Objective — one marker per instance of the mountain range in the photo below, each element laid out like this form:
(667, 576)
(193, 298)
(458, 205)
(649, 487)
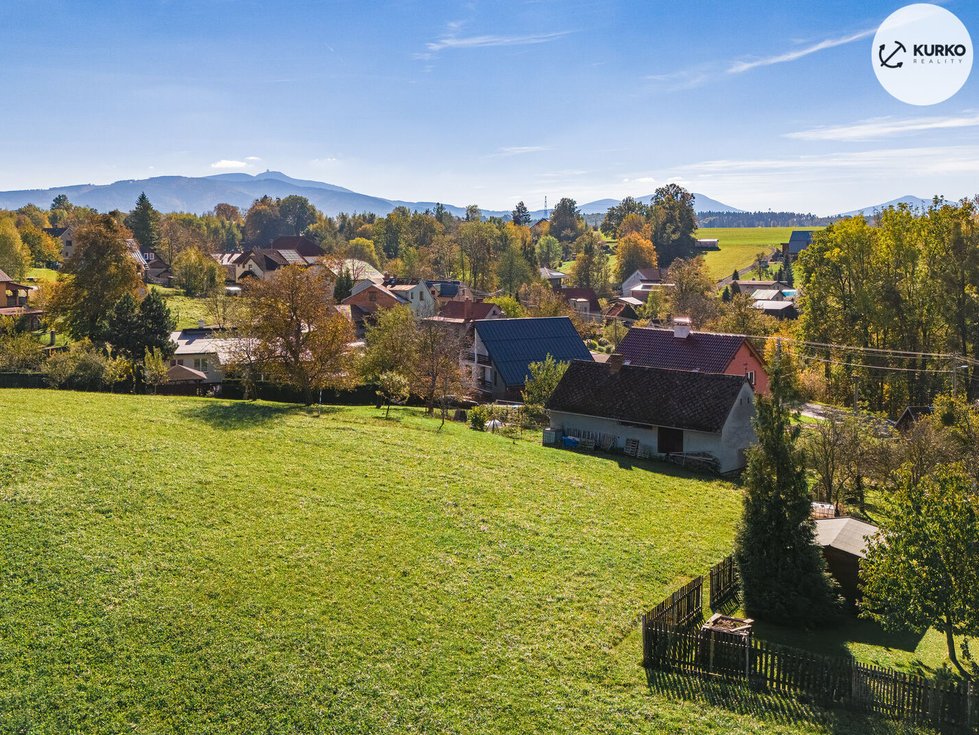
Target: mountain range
(201, 194)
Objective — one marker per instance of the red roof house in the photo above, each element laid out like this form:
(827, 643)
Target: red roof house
(681, 348)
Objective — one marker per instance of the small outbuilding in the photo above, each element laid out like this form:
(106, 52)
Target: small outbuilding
(844, 544)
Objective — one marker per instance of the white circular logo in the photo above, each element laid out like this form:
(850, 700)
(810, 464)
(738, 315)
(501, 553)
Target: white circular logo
(922, 54)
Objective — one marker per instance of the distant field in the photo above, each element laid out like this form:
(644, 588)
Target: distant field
(194, 565)
(185, 309)
(739, 245)
(42, 274)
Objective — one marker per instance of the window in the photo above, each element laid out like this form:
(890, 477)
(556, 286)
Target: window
(200, 363)
(372, 296)
(172, 363)
(750, 375)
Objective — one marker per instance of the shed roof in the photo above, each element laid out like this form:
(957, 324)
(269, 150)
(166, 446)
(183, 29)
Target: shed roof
(643, 395)
(706, 352)
(515, 343)
(845, 534)
(586, 294)
(178, 373)
(549, 273)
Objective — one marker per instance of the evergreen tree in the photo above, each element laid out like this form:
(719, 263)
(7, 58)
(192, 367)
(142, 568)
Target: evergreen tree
(726, 295)
(783, 575)
(788, 278)
(155, 325)
(521, 215)
(144, 221)
(344, 286)
(135, 328)
(735, 276)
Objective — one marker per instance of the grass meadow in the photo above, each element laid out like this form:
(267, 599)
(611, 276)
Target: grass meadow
(195, 565)
(739, 245)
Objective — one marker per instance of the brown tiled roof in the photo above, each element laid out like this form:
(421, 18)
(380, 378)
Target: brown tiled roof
(581, 293)
(655, 275)
(642, 395)
(457, 310)
(302, 245)
(705, 352)
(620, 310)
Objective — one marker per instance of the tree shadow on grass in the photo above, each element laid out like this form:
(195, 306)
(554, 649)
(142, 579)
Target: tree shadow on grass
(773, 707)
(833, 640)
(246, 415)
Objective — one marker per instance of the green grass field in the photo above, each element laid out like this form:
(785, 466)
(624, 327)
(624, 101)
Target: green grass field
(192, 565)
(185, 309)
(739, 245)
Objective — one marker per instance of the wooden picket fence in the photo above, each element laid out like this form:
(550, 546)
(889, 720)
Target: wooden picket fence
(829, 681)
(723, 582)
(683, 607)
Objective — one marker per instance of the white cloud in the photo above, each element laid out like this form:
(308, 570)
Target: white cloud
(881, 127)
(517, 150)
(742, 66)
(252, 158)
(226, 164)
(488, 41)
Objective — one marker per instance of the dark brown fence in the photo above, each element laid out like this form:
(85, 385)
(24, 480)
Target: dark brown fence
(723, 582)
(684, 606)
(829, 681)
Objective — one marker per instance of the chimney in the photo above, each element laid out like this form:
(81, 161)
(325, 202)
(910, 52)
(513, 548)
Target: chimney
(52, 338)
(615, 362)
(681, 327)
(200, 323)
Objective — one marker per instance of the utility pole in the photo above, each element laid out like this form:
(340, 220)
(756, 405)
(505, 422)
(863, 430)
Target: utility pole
(545, 206)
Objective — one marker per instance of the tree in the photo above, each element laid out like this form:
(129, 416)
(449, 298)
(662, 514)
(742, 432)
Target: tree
(228, 213)
(512, 270)
(617, 214)
(544, 377)
(264, 222)
(473, 214)
(509, 306)
(344, 285)
(133, 327)
(43, 248)
(739, 316)
(144, 222)
(632, 253)
(783, 575)
(297, 214)
(476, 244)
(923, 569)
(520, 214)
(393, 387)
(154, 369)
(99, 273)
(438, 373)
(14, 255)
(303, 339)
(196, 273)
(693, 293)
(548, 251)
(566, 220)
(674, 221)
(390, 344)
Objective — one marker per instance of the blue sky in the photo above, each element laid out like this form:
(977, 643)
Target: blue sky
(760, 105)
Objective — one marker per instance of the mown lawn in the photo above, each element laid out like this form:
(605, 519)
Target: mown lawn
(739, 245)
(192, 565)
(185, 309)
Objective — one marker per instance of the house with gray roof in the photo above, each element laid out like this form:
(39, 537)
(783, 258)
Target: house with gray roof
(844, 542)
(656, 412)
(503, 349)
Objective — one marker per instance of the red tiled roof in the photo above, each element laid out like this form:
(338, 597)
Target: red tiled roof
(302, 245)
(705, 352)
(655, 275)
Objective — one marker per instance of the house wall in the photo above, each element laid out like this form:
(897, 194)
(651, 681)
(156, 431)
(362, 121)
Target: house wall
(745, 360)
(728, 446)
(421, 301)
(631, 282)
(214, 371)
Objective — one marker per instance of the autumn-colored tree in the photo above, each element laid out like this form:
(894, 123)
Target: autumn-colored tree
(632, 253)
(476, 241)
(390, 344)
(437, 371)
(616, 215)
(693, 293)
(739, 316)
(635, 223)
(229, 213)
(15, 257)
(99, 273)
(196, 273)
(303, 340)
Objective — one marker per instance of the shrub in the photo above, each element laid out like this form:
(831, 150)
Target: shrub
(82, 367)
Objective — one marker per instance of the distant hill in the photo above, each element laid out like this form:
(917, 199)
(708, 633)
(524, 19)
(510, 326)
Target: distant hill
(912, 201)
(201, 194)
